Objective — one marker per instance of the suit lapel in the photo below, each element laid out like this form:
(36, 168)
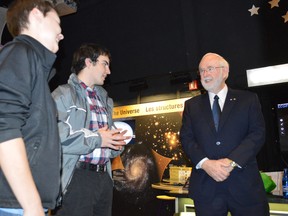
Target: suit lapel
(231, 100)
(207, 112)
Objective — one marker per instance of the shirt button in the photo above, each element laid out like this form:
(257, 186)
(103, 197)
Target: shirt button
(218, 143)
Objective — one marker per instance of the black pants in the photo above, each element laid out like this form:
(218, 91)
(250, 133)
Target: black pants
(224, 203)
(90, 193)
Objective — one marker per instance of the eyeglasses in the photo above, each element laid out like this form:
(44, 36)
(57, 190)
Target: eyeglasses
(209, 69)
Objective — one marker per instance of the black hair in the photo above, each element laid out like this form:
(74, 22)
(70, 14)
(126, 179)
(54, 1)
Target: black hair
(87, 50)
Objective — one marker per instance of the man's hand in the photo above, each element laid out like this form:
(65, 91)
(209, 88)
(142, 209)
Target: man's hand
(219, 170)
(113, 138)
(36, 212)
(228, 166)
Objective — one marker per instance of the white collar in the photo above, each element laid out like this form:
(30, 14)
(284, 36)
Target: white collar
(221, 94)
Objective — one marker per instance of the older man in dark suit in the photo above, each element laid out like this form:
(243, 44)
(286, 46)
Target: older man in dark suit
(222, 132)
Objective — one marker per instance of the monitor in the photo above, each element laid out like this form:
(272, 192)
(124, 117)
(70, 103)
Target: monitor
(282, 121)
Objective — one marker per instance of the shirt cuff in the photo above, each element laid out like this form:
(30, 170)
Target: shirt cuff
(199, 165)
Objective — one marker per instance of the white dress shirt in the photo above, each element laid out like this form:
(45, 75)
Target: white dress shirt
(222, 96)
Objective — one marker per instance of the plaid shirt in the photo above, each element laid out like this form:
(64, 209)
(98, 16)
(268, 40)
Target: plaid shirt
(98, 120)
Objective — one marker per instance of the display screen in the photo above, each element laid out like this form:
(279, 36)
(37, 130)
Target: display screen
(282, 118)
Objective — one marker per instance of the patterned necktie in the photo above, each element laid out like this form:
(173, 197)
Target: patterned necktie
(216, 111)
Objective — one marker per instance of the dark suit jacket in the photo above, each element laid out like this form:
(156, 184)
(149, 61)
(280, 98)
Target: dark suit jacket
(240, 136)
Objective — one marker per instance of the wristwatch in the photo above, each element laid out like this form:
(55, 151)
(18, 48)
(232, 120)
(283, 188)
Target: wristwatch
(233, 164)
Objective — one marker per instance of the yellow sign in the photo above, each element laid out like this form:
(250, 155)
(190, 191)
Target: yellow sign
(176, 105)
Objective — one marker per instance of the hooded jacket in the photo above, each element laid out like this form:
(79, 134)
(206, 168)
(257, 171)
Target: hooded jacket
(74, 117)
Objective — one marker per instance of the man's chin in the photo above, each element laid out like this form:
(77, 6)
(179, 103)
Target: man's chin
(207, 87)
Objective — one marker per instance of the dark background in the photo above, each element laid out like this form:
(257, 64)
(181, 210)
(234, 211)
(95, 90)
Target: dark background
(162, 40)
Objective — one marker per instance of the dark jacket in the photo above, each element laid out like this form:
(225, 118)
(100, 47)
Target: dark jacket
(240, 136)
(27, 110)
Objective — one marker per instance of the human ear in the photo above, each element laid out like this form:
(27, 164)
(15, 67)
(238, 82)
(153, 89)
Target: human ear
(36, 14)
(88, 62)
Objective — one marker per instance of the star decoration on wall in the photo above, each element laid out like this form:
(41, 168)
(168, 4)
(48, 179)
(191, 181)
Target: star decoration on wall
(254, 10)
(285, 17)
(274, 3)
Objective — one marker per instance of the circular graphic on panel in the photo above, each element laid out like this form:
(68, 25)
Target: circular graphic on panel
(125, 126)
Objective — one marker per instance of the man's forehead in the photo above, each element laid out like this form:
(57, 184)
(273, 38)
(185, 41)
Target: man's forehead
(209, 60)
(104, 58)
